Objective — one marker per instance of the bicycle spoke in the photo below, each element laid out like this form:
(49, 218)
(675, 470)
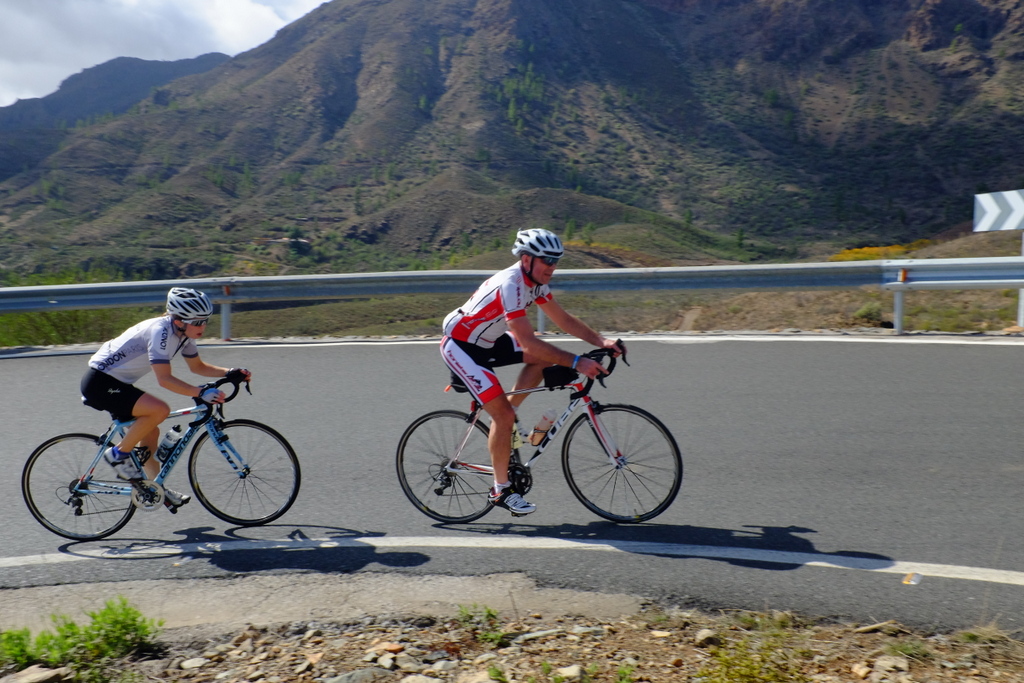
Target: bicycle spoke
(265, 483)
(454, 495)
(649, 473)
(52, 488)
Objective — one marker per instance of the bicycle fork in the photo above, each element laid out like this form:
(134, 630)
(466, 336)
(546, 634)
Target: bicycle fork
(227, 449)
(604, 437)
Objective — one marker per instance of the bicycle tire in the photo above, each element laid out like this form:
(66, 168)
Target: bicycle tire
(422, 454)
(260, 495)
(641, 489)
(50, 472)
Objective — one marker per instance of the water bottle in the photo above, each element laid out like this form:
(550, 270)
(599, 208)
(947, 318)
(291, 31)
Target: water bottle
(542, 427)
(168, 443)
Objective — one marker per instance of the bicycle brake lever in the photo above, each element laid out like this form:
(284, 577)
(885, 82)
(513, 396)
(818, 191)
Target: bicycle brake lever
(623, 347)
(247, 389)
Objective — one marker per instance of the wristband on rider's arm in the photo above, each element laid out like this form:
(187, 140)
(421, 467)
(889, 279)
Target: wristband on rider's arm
(575, 361)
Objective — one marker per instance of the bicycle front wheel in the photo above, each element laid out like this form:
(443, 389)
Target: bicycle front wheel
(52, 486)
(255, 483)
(635, 484)
(456, 494)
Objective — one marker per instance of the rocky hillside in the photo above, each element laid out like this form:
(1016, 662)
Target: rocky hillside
(403, 134)
(32, 129)
(107, 89)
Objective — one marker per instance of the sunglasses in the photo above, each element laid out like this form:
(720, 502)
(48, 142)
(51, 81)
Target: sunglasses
(549, 260)
(197, 323)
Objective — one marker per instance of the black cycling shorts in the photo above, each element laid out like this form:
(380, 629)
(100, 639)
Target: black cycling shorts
(506, 351)
(103, 392)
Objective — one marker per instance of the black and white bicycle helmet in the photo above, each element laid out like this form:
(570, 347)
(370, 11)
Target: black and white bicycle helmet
(188, 304)
(538, 242)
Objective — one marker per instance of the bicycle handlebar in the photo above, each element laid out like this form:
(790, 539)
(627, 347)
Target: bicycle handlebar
(597, 355)
(235, 377)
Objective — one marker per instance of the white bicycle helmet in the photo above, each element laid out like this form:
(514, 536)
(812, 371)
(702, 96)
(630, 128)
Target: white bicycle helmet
(538, 242)
(188, 304)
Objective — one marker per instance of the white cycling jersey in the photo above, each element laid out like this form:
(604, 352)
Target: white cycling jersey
(502, 297)
(128, 357)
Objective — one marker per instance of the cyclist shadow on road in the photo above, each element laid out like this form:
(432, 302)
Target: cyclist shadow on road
(757, 546)
(243, 549)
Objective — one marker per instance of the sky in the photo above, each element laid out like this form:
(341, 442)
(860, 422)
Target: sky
(42, 42)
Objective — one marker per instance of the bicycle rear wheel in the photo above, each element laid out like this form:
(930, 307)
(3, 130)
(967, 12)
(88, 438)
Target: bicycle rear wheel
(455, 497)
(50, 484)
(648, 476)
(264, 487)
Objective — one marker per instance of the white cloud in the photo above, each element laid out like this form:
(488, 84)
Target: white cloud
(42, 43)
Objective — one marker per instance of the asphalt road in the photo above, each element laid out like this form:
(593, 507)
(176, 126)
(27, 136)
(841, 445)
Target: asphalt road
(818, 475)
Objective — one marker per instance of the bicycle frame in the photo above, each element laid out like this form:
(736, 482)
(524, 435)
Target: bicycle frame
(581, 398)
(117, 430)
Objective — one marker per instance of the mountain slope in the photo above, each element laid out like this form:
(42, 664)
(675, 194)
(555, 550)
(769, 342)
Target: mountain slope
(108, 88)
(373, 135)
(32, 129)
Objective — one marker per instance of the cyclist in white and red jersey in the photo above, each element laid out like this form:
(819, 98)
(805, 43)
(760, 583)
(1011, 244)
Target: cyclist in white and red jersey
(491, 330)
(108, 384)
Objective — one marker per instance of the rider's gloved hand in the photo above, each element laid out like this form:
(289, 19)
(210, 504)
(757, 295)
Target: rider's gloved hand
(211, 395)
(246, 375)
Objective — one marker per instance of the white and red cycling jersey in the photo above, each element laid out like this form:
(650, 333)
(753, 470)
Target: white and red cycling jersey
(502, 297)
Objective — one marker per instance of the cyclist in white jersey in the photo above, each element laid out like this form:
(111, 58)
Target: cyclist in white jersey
(108, 384)
(491, 330)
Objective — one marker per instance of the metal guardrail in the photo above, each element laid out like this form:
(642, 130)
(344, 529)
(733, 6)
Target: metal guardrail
(898, 276)
(901, 276)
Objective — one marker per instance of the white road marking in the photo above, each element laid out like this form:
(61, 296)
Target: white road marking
(980, 340)
(848, 339)
(161, 550)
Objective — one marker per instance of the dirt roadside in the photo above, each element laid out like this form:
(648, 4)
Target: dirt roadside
(228, 604)
(379, 628)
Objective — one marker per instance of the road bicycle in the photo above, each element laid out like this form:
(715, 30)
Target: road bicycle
(620, 461)
(242, 471)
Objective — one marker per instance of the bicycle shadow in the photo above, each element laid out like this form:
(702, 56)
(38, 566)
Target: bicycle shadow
(332, 549)
(772, 548)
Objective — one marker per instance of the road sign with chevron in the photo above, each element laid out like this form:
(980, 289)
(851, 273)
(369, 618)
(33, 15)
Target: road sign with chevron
(999, 211)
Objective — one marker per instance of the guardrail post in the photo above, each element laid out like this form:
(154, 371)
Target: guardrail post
(225, 316)
(540, 320)
(1020, 294)
(897, 311)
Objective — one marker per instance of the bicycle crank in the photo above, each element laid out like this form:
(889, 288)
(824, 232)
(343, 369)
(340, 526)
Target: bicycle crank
(521, 478)
(147, 495)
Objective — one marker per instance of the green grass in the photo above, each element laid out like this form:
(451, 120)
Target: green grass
(92, 651)
(484, 623)
(911, 649)
(752, 660)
